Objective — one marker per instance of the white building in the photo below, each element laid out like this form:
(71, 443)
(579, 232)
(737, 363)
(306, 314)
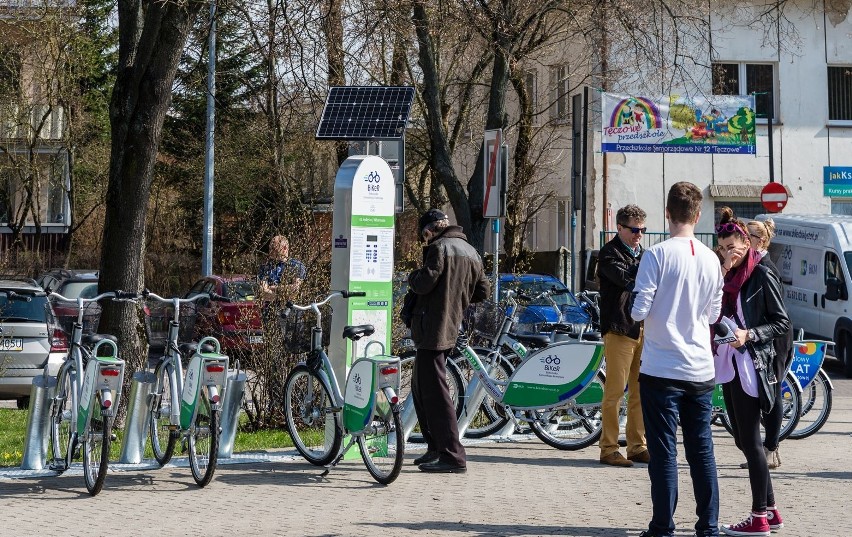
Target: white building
(802, 59)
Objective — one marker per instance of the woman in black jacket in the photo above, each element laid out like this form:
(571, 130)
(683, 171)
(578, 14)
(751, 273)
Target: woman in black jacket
(752, 305)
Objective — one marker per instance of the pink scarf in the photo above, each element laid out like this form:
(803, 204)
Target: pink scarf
(734, 280)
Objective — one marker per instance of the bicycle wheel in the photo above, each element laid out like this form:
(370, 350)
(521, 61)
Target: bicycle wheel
(816, 406)
(314, 427)
(60, 427)
(204, 441)
(163, 434)
(96, 443)
(570, 428)
(382, 445)
(791, 398)
(491, 416)
(454, 383)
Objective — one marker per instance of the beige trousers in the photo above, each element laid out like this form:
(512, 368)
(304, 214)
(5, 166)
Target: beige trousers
(622, 369)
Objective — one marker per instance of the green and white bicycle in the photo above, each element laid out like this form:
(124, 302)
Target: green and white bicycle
(188, 407)
(319, 415)
(88, 391)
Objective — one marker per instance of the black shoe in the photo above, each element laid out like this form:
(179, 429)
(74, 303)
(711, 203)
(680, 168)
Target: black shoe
(440, 467)
(429, 456)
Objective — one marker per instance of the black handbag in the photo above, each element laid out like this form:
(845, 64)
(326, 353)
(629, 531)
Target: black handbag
(407, 310)
(766, 390)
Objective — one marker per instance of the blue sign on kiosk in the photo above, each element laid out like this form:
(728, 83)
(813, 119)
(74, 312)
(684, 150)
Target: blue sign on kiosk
(837, 181)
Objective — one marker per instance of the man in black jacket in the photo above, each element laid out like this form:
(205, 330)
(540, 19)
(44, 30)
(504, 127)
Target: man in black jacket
(449, 280)
(618, 262)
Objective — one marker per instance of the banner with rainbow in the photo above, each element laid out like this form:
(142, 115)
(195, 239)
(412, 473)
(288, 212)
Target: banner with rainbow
(717, 124)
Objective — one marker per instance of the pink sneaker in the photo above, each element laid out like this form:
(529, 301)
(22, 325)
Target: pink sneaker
(773, 518)
(754, 524)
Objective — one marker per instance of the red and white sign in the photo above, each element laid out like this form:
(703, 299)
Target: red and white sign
(491, 176)
(774, 197)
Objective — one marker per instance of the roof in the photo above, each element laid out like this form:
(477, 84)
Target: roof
(19, 285)
(740, 190)
(808, 218)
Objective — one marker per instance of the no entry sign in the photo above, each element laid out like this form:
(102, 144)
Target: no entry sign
(774, 197)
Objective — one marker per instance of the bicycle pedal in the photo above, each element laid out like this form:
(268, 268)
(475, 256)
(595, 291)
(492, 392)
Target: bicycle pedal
(335, 409)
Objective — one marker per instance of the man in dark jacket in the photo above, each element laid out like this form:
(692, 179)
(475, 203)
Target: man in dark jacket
(618, 262)
(450, 279)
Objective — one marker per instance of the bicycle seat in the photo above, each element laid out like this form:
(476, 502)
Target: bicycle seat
(189, 348)
(90, 340)
(533, 340)
(358, 331)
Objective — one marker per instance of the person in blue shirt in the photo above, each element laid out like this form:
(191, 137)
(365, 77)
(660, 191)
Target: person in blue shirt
(281, 273)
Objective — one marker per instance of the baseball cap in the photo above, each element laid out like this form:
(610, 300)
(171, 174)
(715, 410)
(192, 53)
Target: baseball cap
(432, 215)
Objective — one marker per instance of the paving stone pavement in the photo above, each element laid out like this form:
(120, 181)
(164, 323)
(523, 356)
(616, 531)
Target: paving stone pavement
(518, 488)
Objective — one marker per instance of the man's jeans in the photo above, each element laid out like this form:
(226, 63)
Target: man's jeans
(660, 408)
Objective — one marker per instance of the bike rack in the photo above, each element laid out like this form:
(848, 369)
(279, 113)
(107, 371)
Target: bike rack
(231, 406)
(136, 425)
(38, 423)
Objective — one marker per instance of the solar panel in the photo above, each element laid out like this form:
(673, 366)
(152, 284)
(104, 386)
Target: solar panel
(365, 113)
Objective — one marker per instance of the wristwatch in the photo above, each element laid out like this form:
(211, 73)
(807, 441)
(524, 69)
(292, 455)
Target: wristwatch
(752, 335)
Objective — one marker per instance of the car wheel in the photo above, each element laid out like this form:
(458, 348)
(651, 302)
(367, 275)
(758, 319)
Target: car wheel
(23, 402)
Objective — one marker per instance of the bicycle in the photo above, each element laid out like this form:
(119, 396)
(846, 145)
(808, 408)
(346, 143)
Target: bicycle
(808, 357)
(188, 406)
(547, 390)
(318, 414)
(791, 398)
(88, 387)
(577, 427)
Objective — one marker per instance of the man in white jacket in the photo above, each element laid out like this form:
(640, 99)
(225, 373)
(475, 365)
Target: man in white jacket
(678, 293)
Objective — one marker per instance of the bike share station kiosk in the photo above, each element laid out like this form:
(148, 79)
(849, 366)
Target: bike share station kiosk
(367, 196)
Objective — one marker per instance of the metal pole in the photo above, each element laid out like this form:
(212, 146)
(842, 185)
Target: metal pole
(207, 239)
(573, 251)
(769, 117)
(583, 178)
(495, 223)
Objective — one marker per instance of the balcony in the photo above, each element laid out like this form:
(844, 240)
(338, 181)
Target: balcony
(21, 122)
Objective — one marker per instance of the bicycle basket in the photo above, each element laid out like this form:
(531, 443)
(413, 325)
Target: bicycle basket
(158, 315)
(296, 330)
(530, 320)
(485, 319)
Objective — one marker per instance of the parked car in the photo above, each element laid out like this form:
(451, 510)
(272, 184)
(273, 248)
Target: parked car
(236, 323)
(83, 283)
(30, 341)
(564, 307)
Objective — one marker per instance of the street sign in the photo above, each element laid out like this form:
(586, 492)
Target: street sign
(773, 197)
(491, 206)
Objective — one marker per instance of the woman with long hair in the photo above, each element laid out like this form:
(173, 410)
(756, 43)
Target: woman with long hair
(760, 234)
(752, 305)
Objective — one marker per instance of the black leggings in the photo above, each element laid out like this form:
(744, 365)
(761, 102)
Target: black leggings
(744, 414)
(772, 422)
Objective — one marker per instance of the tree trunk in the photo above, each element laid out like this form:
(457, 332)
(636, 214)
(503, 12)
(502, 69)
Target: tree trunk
(332, 28)
(152, 36)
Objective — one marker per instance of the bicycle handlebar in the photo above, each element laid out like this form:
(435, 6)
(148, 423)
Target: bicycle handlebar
(158, 298)
(115, 295)
(314, 305)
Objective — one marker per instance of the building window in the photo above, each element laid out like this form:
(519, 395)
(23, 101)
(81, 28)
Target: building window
(745, 79)
(56, 192)
(559, 85)
(562, 223)
(10, 72)
(839, 93)
(843, 207)
(531, 82)
(743, 210)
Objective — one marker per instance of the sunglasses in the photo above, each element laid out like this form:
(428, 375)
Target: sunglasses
(635, 230)
(758, 237)
(730, 227)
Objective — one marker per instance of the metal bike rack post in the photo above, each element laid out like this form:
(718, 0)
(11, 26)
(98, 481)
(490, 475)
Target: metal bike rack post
(38, 423)
(136, 425)
(231, 407)
(408, 417)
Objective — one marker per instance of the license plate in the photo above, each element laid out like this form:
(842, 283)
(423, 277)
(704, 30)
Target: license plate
(254, 340)
(11, 344)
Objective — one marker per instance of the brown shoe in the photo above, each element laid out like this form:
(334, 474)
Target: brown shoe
(616, 459)
(642, 456)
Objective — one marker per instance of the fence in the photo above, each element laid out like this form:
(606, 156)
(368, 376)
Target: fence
(652, 238)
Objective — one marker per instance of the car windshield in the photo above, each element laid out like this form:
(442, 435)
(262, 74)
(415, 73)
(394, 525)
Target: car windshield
(535, 287)
(17, 310)
(241, 291)
(79, 289)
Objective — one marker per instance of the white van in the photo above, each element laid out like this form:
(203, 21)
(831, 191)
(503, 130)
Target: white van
(814, 255)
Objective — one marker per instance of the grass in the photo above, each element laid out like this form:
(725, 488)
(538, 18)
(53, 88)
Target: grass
(13, 424)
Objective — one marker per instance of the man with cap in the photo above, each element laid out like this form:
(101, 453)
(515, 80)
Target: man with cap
(450, 279)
